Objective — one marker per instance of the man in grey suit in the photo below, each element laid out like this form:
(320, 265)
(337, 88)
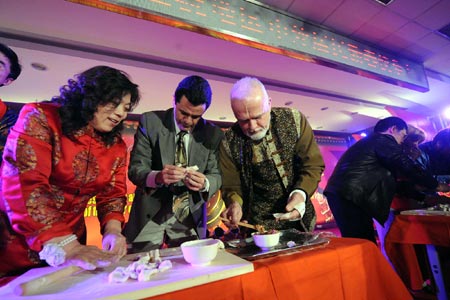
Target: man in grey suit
(163, 183)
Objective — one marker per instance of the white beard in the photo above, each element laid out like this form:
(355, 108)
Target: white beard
(258, 135)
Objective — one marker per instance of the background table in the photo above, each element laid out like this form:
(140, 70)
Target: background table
(407, 230)
(350, 269)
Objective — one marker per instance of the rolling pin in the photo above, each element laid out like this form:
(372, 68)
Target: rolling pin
(36, 285)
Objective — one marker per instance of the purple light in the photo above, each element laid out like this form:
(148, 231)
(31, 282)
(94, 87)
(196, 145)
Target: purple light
(363, 134)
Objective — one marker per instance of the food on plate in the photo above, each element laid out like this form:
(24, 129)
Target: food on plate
(119, 275)
(154, 256)
(440, 207)
(270, 231)
(142, 269)
(291, 244)
(260, 228)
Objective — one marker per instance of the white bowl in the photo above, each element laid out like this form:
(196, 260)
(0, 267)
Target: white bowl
(266, 241)
(200, 252)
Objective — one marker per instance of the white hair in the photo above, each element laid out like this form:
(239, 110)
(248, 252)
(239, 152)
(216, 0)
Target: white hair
(246, 87)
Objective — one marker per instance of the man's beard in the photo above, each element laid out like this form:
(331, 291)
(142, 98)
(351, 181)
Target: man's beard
(258, 135)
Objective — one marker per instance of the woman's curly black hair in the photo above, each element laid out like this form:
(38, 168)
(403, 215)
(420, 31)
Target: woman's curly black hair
(96, 86)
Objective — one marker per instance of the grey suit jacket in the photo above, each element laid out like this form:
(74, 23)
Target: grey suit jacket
(154, 147)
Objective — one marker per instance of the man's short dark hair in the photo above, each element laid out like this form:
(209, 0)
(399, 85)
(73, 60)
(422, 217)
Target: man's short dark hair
(442, 137)
(388, 122)
(196, 89)
(16, 68)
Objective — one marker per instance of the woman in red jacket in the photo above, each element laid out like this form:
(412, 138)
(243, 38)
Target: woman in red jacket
(60, 154)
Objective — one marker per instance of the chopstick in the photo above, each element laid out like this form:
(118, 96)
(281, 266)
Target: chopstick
(240, 223)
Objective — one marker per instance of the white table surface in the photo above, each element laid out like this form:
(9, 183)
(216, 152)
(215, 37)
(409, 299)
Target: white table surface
(94, 284)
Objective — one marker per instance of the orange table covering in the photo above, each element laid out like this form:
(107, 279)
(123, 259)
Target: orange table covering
(407, 230)
(350, 269)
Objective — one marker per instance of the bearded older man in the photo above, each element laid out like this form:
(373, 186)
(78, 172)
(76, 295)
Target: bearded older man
(270, 162)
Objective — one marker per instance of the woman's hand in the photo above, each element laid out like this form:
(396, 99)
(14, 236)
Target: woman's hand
(115, 243)
(87, 257)
(71, 252)
(113, 240)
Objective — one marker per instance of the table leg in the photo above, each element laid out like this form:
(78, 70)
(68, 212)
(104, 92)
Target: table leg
(435, 265)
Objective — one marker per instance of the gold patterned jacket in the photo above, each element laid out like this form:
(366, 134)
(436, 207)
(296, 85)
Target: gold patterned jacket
(260, 175)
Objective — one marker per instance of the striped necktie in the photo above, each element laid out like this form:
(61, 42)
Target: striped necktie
(180, 153)
(180, 205)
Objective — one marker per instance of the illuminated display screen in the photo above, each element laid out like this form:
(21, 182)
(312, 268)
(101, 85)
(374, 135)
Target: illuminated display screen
(258, 26)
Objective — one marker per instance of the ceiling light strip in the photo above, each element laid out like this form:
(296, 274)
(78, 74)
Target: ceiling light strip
(252, 24)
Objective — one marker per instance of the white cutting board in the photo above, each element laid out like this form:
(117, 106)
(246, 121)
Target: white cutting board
(94, 284)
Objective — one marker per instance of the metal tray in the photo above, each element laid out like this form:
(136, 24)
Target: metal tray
(245, 248)
(425, 212)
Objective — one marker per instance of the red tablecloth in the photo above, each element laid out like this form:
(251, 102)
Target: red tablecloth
(350, 269)
(407, 230)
